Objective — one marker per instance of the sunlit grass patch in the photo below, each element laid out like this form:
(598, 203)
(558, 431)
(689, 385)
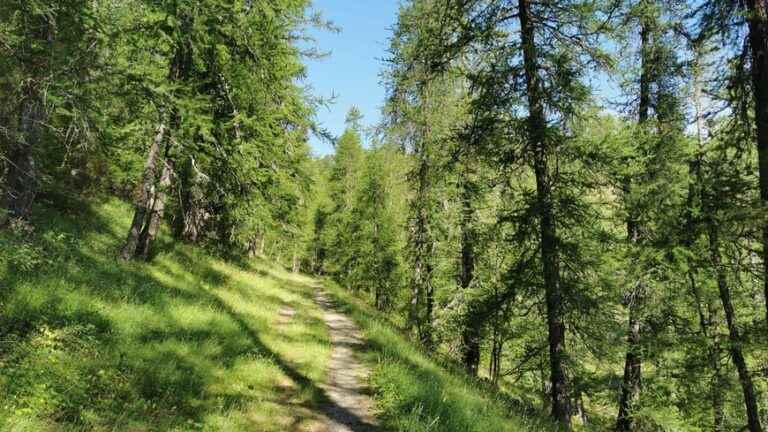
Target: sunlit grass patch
(188, 342)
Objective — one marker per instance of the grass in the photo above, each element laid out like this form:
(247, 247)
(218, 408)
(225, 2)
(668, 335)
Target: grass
(193, 342)
(188, 342)
(416, 392)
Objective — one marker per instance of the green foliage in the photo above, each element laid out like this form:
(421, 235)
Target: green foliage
(343, 183)
(359, 228)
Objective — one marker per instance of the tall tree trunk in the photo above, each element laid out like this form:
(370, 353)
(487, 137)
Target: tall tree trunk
(192, 213)
(734, 335)
(420, 242)
(707, 323)
(631, 384)
(718, 415)
(152, 227)
(145, 195)
(497, 347)
(581, 411)
(630, 389)
(542, 152)
(22, 178)
(717, 386)
(429, 300)
(470, 337)
(758, 42)
(295, 266)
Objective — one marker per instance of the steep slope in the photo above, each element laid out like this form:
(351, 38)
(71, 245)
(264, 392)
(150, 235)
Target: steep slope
(188, 342)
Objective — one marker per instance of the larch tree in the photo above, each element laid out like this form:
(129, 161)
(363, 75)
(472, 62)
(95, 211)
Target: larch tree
(649, 184)
(48, 51)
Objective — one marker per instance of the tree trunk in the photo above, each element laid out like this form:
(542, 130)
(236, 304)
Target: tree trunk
(707, 324)
(717, 387)
(470, 337)
(145, 195)
(22, 178)
(581, 411)
(426, 324)
(630, 389)
(420, 313)
(296, 263)
(494, 364)
(192, 213)
(149, 233)
(253, 245)
(758, 42)
(549, 247)
(734, 335)
(631, 384)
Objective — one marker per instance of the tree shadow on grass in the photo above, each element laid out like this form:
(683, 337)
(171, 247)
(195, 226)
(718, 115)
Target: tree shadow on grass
(157, 371)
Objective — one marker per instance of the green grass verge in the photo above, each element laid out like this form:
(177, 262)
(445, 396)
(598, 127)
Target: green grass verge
(416, 392)
(187, 342)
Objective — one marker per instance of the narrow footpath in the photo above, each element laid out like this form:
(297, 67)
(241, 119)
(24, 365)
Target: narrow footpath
(350, 407)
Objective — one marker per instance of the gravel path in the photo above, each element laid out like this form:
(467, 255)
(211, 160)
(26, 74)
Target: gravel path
(349, 409)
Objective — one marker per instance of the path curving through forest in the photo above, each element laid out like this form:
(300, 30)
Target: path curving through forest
(350, 407)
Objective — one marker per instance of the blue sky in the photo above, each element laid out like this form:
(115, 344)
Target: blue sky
(351, 72)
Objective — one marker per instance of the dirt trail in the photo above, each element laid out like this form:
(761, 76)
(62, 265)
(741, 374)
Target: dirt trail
(349, 409)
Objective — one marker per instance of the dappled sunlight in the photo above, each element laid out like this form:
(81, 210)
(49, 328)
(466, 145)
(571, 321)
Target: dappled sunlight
(186, 342)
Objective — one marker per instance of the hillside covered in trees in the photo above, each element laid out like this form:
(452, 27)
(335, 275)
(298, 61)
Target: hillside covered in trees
(561, 221)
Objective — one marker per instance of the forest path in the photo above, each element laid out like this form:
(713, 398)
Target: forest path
(350, 407)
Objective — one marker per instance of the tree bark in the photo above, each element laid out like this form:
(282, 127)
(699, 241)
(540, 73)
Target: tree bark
(145, 195)
(149, 233)
(630, 393)
(420, 242)
(734, 335)
(257, 245)
(549, 244)
(22, 178)
(497, 348)
(708, 324)
(631, 384)
(192, 213)
(470, 337)
(758, 42)
(296, 263)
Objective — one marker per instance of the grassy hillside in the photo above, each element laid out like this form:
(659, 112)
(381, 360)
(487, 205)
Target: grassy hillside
(193, 342)
(188, 342)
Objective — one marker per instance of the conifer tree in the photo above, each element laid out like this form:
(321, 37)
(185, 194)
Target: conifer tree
(728, 19)
(648, 185)
(48, 50)
(344, 183)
